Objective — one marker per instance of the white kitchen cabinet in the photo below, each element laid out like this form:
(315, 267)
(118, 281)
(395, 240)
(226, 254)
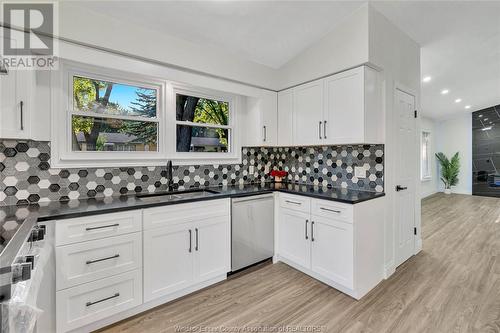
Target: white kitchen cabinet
(185, 251)
(308, 113)
(293, 242)
(16, 89)
(212, 249)
(352, 111)
(168, 260)
(260, 120)
(336, 243)
(329, 238)
(344, 108)
(285, 117)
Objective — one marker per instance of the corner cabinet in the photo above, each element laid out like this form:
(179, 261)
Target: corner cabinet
(344, 108)
(16, 89)
(338, 244)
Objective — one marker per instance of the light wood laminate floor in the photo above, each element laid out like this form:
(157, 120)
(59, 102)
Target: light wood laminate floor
(453, 285)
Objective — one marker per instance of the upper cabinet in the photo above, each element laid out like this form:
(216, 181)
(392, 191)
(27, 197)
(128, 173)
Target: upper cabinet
(260, 121)
(344, 108)
(308, 113)
(16, 89)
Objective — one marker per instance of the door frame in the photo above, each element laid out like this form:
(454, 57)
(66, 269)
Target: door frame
(398, 86)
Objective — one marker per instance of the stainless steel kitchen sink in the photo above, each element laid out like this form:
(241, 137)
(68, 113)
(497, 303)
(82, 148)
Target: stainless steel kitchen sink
(178, 195)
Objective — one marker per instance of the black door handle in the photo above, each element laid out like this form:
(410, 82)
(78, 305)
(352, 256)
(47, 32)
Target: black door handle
(401, 188)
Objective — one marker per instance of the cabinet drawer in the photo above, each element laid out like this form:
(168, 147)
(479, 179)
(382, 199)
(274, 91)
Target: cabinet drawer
(332, 209)
(88, 261)
(295, 202)
(90, 302)
(97, 226)
(181, 213)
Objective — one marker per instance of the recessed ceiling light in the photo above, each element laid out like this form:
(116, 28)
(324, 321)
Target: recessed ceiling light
(426, 79)
(468, 107)
(444, 91)
(458, 100)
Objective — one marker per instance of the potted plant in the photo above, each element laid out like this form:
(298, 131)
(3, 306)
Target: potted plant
(278, 175)
(449, 170)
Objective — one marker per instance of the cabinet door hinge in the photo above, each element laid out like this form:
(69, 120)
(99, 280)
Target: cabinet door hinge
(415, 113)
(415, 231)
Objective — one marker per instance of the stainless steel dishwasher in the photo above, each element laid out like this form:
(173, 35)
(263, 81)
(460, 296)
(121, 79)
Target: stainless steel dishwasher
(252, 230)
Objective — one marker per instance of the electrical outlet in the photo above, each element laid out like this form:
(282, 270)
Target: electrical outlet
(359, 172)
(251, 169)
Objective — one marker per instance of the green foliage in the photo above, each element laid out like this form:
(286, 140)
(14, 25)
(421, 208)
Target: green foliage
(101, 141)
(213, 112)
(449, 169)
(145, 105)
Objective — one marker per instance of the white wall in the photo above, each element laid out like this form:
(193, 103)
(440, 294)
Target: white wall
(455, 134)
(343, 48)
(79, 24)
(430, 186)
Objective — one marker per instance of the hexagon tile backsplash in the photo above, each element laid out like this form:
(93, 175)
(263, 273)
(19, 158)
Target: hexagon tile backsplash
(26, 176)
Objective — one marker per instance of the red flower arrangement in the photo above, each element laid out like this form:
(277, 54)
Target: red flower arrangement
(278, 175)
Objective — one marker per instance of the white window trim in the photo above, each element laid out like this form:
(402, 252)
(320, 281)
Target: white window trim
(62, 155)
(233, 156)
(429, 156)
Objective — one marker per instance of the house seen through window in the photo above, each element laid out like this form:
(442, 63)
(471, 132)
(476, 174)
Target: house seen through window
(109, 116)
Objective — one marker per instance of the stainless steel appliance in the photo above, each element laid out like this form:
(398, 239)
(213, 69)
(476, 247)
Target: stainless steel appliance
(252, 230)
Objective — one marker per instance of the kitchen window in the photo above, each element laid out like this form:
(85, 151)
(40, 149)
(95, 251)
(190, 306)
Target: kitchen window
(204, 124)
(104, 117)
(426, 155)
(108, 116)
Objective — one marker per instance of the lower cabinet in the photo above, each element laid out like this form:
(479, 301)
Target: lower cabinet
(338, 244)
(332, 250)
(90, 302)
(110, 266)
(294, 243)
(179, 256)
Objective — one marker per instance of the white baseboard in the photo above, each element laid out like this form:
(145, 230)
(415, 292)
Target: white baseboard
(389, 269)
(418, 245)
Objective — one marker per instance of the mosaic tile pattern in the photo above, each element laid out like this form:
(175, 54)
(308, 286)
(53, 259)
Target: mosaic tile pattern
(26, 176)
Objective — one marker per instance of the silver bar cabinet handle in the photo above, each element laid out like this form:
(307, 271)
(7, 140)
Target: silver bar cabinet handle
(102, 300)
(331, 210)
(265, 133)
(21, 105)
(293, 202)
(307, 221)
(102, 259)
(103, 226)
(319, 129)
(196, 232)
(312, 231)
(324, 129)
(190, 241)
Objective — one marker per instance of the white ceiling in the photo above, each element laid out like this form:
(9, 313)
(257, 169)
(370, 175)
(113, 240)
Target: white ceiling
(460, 40)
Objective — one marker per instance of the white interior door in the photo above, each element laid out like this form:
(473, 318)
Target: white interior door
(405, 176)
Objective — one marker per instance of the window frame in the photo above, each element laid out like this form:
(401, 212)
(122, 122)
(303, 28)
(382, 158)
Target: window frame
(233, 156)
(62, 107)
(428, 156)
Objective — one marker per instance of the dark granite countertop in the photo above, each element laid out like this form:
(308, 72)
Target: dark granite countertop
(12, 217)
